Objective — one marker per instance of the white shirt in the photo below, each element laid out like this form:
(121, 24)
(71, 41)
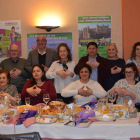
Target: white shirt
(58, 82)
(72, 90)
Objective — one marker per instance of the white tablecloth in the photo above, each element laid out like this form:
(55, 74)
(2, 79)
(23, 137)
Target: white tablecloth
(120, 129)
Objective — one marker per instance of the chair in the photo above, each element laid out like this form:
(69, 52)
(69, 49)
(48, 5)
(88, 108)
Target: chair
(24, 136)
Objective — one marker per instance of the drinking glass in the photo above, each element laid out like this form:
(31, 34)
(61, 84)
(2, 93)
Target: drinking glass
(112, 97)
(39, 111)
(59, 104)
(46, 98)
(18, 98)
(27, 101)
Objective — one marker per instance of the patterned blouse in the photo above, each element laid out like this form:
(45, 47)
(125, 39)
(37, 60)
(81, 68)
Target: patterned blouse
(133, 88)
(11, 89)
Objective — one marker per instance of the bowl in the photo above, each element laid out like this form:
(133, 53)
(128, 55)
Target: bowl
(52, 104)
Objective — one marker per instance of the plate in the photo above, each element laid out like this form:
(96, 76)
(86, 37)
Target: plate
(50, 116)
(122, 118)
(100, 118)
(41, 121)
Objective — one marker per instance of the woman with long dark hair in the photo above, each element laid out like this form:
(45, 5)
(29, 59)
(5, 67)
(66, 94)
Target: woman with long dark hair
(37, 86)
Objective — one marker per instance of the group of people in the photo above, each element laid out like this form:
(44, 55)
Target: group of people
(55, 73)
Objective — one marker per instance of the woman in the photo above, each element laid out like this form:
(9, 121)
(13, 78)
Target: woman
(37, 86)
(129, 86)
(62, 71)
(135, 57)
(84, 89)
(116, 64)
(6, 89)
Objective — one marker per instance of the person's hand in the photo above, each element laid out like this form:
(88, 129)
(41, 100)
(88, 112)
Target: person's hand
(95, 64)
(2, 94)
(82, 92)
(89, 91)
(17, 72)
(89, 63)
(12, 74)
(68, 73)
(31, 91)
(36, 89)
(113, 71)
(61, 73)
(118, 69)
(45, 68)
(120, 91)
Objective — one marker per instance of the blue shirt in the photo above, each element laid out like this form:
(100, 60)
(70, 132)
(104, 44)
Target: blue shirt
(94, 74)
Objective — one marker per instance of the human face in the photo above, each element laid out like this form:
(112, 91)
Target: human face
(13, 30)
(138, 51)
(92, 51)
(84, 74)
(37, 73)
(14, 52)
(63, 53)
(129, 74)
(41, 42)
(3, 80)
(112, 52)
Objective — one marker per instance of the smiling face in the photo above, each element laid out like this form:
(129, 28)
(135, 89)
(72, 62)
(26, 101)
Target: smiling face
(112, 52)
(37, 73)
(137, 51)
(84, 74)
(63, 53)
(129, 74)
(3, 80)
(92, 51)
(41, 42)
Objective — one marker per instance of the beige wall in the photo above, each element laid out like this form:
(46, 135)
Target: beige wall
(30, 12)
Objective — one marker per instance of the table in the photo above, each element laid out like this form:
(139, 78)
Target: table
(118, 130)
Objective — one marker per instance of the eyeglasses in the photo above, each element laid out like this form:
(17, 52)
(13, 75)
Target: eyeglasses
(130, 72)
(13, 50)
(42, 41)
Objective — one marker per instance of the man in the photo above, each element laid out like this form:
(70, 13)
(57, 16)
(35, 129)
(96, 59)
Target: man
(14, 35)
(99, 65)
(15, 66)
(42, 55)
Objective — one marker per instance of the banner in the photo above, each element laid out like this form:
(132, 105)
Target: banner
(10, 33)
(53, 40)
(94, 29)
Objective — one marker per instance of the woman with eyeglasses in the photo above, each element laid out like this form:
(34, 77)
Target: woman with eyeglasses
(135, 57)
(127, 87)
(62, 71)
(116, 64)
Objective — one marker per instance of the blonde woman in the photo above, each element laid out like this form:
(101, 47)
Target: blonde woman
(116, 64)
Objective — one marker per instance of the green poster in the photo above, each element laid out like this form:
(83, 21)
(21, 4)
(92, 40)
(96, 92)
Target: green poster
(94, 28)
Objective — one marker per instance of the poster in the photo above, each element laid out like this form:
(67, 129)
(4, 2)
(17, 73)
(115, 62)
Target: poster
(94, 29)
(10, 33)
(53, 40)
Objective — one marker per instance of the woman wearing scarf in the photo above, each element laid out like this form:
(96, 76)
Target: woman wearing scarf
(62, 71)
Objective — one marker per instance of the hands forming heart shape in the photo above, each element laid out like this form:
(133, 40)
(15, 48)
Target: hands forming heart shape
(115, 70)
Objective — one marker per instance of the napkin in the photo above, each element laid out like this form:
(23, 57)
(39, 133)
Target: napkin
(24, 116)
(91, 104)
(29, 121)
(84, 115)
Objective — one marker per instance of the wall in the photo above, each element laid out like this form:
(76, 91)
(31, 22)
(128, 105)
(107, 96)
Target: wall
(130, 24)
(30, 12)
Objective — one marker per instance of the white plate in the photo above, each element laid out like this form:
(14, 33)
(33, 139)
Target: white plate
(100, 118)
(50, 116)
(43, 122)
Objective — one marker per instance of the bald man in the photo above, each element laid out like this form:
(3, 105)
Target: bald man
(42, 55)
(15, 66)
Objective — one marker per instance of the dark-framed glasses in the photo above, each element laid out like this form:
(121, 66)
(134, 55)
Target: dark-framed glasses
(130, 72)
